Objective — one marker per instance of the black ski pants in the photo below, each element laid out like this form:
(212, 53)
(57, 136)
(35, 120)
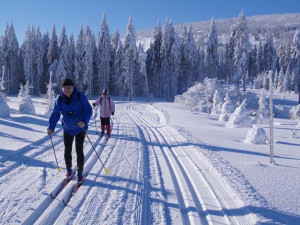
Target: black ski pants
(68, 141)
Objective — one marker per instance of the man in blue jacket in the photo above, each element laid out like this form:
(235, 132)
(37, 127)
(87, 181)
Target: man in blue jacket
(76, 113)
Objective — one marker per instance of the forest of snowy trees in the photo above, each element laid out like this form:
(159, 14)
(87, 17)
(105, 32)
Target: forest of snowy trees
(173, 62)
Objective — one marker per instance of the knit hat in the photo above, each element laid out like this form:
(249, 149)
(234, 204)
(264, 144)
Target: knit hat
(67, 82)
(104, 92)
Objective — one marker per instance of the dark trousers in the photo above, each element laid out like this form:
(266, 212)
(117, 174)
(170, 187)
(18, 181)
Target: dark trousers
(105, 123)
(68, 141)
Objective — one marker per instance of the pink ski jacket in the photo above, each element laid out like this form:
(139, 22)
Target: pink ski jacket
(107, 106)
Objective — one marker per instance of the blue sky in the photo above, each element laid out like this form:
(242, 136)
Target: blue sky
(145, 13)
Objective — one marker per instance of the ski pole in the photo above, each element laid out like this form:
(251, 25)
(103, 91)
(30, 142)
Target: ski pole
(58, 168)
(106, 169)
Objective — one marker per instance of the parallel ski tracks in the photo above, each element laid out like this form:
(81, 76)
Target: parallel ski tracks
(201, 201)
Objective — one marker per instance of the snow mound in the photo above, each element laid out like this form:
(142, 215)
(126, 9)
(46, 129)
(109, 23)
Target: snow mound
(26, 106)
(295, 112)
(256, 135)
(240, 117)
(4, 109)
(227, 109)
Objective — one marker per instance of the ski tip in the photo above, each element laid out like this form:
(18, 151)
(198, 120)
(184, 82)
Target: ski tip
(59, 169)
(107, 170)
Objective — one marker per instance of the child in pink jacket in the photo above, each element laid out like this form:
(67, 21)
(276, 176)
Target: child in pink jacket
(107, 108)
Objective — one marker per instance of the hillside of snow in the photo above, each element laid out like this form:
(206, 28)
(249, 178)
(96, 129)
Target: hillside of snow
(169, 164)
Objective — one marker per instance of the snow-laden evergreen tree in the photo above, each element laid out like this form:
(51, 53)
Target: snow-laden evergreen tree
(211, 53)
(240, 43)
(50, 96)
(281, 76)
(29, 58)
(227, 109)
(240, 117)
(103, 57)
(153, 62)
(45, 77)
(217, 103)
(296, 61)
(130, 69)
(259, 57)
(63, 40)
(38, 63)
(252, 67)
(287, 81)
(65, 62)
(269, 54)
(10, 48)
(88, 61)
(263, 109)
(72, 55)
(117, 55)
(79, 60)
(52, 53)
(26, 106)
(143, 89)
(168, 53)
(189, 60)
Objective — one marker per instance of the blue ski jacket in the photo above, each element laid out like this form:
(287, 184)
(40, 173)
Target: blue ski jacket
(73, 110)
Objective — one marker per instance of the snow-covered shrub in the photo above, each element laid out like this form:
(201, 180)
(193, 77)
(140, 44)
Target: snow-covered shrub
(22, 92)
(4, 109)
(251, 100)
(256, 135)
(26, 106)
(200, 96)
(295, 112)
(240, 117)
(217, 103)
(227, 109)
(263, 109)
(258, 82)
(50, 96)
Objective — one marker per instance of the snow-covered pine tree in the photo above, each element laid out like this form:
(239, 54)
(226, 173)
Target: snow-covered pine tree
(64, 60)
(38, 63)
(130, 70)
(153, 62)
(29, 58)
(50, 96)
(227, 109)
(296, 60)
(280, 84)
(239, 50)
(79, 60)
(11, 61)
(263, 109)
(45, 76)
(143, 89)
(217, 103)
(103, 57)
(211, 53)
(117, 55)
(89, 59)
(52, 52)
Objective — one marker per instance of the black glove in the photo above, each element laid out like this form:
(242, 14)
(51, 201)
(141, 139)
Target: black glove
(112, 113)
(94, 104)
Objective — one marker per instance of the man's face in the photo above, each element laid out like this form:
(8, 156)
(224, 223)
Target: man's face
(68, 90)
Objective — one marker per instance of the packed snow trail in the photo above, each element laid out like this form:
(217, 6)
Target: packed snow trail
(156, 177)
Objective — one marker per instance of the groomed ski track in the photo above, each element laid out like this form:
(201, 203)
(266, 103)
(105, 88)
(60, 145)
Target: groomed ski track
(155, 177)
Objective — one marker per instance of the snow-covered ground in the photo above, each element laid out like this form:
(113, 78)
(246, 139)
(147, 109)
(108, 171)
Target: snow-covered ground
(168, 165)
